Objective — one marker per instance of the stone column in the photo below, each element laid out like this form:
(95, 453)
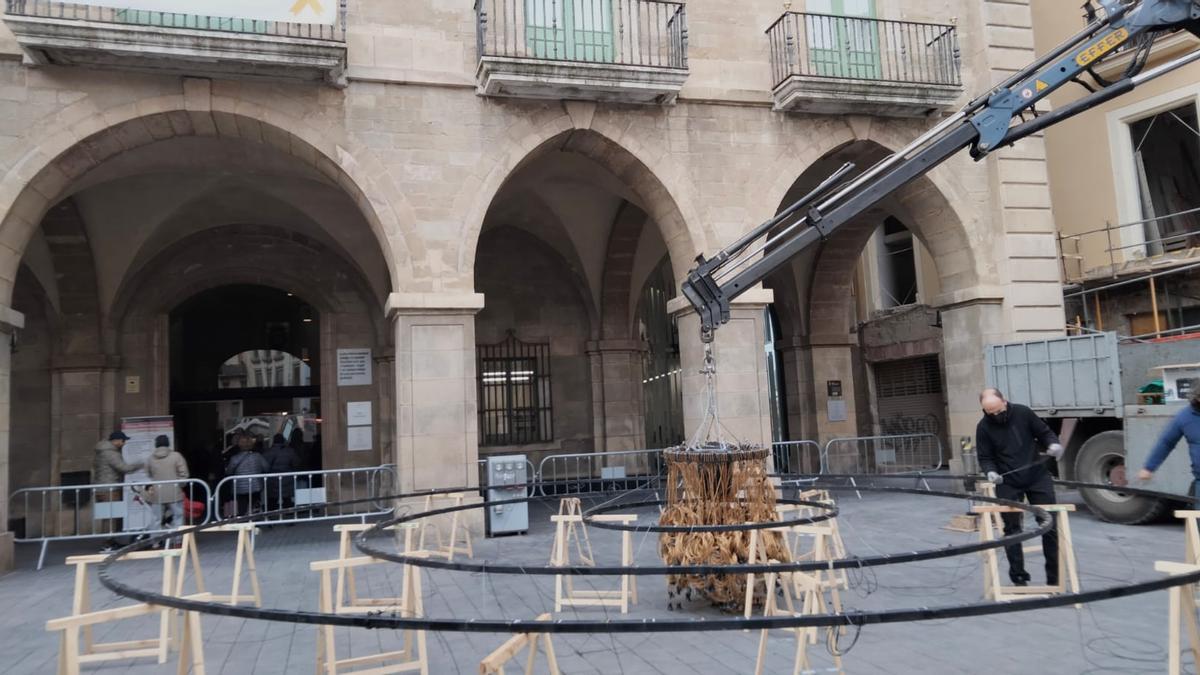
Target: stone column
(10, 321)
(85, 386)
(834, 361)
(969, 324)
(741, 383)
(617, 398)
(437, 442)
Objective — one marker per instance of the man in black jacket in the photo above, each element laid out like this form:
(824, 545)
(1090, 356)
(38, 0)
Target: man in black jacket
(1007, 441)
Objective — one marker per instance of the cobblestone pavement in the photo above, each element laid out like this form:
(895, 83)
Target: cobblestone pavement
(1127, 635)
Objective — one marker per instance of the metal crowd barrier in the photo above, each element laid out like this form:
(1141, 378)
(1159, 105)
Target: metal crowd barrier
(897, 455)
(66, 512)
(237, 496)
(591, 472)
(796, 457)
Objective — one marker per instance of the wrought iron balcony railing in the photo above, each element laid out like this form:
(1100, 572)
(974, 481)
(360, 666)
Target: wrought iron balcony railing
(650, 33)
(92, 36)
(852, 48)
(66, 11)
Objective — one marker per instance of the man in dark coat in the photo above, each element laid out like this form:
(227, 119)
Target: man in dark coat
(1007, 440)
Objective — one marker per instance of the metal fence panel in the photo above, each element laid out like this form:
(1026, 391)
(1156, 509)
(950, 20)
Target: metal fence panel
(104, 511)
(237, 496)
(906, 454)
(796, 457)
(594, 472)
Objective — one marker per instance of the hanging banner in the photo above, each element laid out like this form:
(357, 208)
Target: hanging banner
(140, 514)
(289, 11)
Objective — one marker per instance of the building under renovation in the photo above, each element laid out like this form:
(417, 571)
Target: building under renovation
(474, 216)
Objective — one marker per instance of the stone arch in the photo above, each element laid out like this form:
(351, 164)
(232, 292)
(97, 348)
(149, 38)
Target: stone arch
(926, 204)
(314, 281)
(616, 293)
(564, 267)
(64, 147)
(671, 208)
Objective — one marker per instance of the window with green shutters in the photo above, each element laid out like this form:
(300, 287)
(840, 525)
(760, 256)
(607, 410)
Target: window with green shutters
(570, 30)
(843, 38)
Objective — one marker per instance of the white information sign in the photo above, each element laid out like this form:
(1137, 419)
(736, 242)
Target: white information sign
(290, 11)
(139, 513)
(354, 367)
(358, 414)
(358, 439)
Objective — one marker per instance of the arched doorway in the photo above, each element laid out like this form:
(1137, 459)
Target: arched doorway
(859, 342)
(574, 258)
(245, 357)
(189, 236)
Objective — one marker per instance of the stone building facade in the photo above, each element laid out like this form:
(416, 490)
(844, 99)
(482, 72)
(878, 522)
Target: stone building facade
(415, 183)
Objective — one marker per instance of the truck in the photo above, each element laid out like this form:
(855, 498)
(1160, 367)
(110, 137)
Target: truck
(1109, 400)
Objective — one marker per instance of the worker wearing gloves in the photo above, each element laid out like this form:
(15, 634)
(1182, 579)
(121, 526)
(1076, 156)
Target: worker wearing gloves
(1007, 440)
(1185, 424)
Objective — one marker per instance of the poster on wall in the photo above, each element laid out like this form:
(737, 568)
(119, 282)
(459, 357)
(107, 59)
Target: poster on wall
(354, 367)
(139, 512)
(289, 11)
(358, 439)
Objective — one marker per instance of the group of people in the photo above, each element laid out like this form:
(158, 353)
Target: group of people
(167, 470)
(165, 467)
(246, 457)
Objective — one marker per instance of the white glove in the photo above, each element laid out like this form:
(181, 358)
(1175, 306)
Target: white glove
(1055, 450)
(995, 477)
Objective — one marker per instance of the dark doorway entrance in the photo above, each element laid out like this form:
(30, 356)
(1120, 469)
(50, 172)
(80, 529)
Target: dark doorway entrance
(244, 357)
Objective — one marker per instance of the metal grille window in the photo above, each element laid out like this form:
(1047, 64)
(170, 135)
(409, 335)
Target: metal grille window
(515, 404)
(909, 377)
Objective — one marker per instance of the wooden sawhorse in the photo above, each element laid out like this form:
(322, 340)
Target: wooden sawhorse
(493, 664)
(1068, 575)
(77, 644)
(565, 594)
(447, 550)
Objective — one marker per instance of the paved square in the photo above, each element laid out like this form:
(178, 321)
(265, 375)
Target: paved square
(1120, 636)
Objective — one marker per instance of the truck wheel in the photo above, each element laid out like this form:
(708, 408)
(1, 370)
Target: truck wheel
(1102, 460)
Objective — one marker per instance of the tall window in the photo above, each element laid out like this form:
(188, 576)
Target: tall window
(844, 38)
(662, 391)
(1166, 157)
(897, 264)
(570, 30)
(514, 393)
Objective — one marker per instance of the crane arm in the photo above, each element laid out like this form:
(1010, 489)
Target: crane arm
(984, 125)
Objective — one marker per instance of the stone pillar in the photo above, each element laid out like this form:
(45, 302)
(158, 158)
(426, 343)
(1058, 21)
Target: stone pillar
(795, 363)
(437, 442)
(10, 321)
(834, 366)
(86, 407)
(968, 326)
(742, 391)
(617, 395)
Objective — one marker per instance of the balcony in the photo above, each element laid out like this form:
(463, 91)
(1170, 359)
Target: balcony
(67, 34)
(630, 51)
(835, 64)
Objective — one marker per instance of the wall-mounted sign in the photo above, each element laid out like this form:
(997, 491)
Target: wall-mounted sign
(835, 388)
(358, 439)
(836, 410)
(354, 367)
(133, 384)
(289, 11)
(358, 414)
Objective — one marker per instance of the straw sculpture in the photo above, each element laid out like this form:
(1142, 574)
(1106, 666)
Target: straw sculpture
(716, 486)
